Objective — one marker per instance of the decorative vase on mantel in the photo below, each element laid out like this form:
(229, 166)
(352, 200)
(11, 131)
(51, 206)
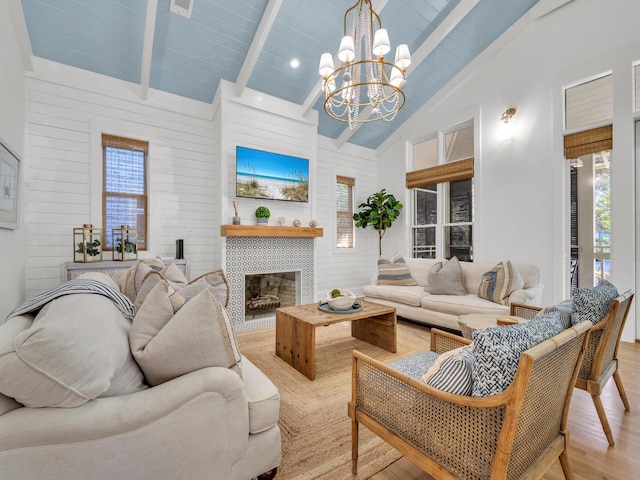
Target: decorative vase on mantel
(236, 218)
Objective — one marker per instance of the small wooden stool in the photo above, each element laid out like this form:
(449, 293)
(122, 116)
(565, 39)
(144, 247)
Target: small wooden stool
(475, 321)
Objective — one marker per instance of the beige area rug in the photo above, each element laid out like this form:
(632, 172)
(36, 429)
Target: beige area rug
(316, 431)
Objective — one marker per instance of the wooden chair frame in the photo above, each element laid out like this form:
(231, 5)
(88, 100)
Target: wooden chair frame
(600, 361)
(518, 433)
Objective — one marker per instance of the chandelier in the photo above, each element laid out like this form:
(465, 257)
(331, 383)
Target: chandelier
(367, 80)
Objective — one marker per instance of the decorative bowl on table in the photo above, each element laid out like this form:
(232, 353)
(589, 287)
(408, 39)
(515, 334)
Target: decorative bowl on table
(344, 301)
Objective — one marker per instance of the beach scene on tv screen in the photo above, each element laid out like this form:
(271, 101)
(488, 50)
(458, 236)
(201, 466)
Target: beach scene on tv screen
(272, 176)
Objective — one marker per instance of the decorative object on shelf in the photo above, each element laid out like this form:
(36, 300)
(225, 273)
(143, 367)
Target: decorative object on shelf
(262, 215)
(313, 223)
(125, 243)
(87, 244)
(282, 221)
(180, 249)
(236, 218)
(366, 84)
(380, 210)
(297, 223)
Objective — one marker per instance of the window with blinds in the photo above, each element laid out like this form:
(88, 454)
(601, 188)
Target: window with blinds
(124, 194)
(344, 211)
(589, 102)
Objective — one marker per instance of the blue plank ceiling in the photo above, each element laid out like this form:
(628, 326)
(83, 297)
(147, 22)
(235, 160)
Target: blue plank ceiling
(189, 57)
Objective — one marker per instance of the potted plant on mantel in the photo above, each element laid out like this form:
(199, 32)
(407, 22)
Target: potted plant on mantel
(380, 210)
(262, 215)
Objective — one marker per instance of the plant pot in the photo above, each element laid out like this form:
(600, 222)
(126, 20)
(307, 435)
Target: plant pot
(263, 221)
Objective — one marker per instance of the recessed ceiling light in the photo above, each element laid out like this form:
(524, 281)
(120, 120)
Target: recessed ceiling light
(295, 63)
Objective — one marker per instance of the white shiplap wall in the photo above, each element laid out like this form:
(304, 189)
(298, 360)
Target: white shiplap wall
(63, 176)
(340, 267)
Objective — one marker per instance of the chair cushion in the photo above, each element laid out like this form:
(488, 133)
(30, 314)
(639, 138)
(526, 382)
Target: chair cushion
(498, 283)
(446, 279)
(592, 303)
(407, 294)
(76, 350)
(416, 365)
(168, 343)
(394, 271)
(497, 351)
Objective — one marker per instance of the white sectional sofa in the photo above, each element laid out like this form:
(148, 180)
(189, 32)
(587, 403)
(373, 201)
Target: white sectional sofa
(414, 303)
(77, 401)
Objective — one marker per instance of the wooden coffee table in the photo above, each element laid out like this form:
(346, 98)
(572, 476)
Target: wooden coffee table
(296, 331)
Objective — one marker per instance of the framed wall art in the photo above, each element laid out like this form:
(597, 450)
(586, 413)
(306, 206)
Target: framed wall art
(9, 187)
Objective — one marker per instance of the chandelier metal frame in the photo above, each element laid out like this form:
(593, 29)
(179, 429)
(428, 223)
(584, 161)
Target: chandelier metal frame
(365, 81)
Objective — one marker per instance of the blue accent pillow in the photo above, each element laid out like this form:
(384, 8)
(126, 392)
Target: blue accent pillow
(592, 303)
(497, 351)
(564, 308)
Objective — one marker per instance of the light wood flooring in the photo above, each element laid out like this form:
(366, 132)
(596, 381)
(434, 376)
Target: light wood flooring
(591, 456)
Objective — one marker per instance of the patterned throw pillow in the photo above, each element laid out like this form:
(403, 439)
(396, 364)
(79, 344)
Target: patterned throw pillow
(497, 351)
(592, 303)
(564, 308)
(498, 283)
(454, 373)
(394, 272)
(446, 279)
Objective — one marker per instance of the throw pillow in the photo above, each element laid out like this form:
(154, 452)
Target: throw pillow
(132, 280)
(394, 271)
(592, 303)
(498, 283)
(215, 282)
(76, 350)
(452, 372)
(497, 351)
(167, 344)
(564, 308)
(446, 279)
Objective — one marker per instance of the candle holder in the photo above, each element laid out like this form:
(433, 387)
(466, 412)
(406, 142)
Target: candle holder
(87, 244)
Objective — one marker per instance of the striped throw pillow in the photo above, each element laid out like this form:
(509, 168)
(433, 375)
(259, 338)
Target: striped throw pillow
(452, 372)
(498, 283)
(394, 271)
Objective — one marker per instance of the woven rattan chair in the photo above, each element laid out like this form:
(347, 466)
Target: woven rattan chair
(518, 433)
(601, 356)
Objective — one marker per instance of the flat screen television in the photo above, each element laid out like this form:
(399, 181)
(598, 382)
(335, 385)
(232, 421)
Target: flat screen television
(272, 176)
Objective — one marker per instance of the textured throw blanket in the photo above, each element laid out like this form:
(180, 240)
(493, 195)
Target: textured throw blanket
(77, 286)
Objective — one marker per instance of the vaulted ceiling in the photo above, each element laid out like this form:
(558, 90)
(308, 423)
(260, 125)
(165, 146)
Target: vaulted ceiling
(251, 43)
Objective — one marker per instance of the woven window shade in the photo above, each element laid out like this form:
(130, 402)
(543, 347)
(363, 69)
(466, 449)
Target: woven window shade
(589, 141)
(344, 211)
(124, 195)
(447, 172)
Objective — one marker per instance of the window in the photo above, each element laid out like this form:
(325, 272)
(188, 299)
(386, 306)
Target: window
(443, 196)
(124, 197)
(589, 102)
(344, 211)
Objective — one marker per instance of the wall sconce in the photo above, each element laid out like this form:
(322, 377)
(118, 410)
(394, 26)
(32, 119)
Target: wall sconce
(508, 114)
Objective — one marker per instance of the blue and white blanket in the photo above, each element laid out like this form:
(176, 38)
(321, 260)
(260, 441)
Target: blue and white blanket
(77, 286)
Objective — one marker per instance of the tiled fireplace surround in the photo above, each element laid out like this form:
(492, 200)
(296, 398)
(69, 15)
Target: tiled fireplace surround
(254, 255)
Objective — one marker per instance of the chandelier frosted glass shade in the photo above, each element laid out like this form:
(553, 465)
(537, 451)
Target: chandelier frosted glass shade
(365, 87)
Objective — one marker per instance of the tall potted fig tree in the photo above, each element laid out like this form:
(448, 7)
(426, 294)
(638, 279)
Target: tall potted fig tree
(380, 210)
